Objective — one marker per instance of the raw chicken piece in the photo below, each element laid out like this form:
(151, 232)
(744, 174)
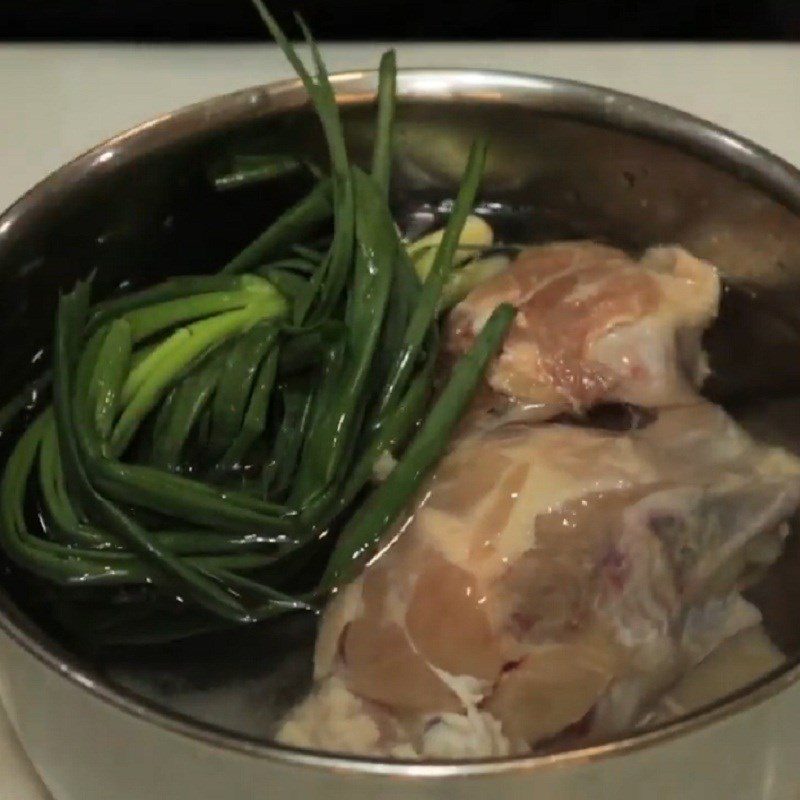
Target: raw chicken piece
(595, 326)
(549, 583)
(735, 664)
(355, 725)
(738, 662)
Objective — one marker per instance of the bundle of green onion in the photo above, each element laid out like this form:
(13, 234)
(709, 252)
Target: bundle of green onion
(208, 454)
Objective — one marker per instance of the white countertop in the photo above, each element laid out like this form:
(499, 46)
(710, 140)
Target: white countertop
(58, 100)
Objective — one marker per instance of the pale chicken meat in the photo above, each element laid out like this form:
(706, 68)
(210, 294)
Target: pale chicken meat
(593, 325)
(737, 662)
(549, 583)
(557, 578)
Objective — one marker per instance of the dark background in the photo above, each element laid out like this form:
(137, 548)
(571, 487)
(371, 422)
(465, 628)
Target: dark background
(235, 20)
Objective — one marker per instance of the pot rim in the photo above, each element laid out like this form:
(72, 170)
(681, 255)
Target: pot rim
(552, 96)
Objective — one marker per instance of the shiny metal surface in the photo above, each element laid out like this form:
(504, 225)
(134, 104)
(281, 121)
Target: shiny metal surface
(578, 161)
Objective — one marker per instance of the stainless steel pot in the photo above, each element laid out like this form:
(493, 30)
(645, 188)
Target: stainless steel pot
(579, 161)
